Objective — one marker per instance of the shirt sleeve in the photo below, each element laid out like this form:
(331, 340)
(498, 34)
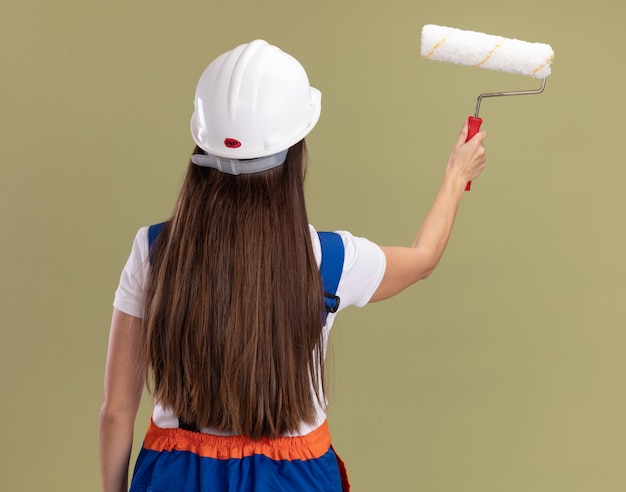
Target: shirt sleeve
(363, 268)
(129, 295)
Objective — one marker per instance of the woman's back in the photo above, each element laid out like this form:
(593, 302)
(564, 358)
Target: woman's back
(234, 304)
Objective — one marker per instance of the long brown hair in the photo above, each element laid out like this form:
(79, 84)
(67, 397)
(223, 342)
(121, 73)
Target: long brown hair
(233, 312)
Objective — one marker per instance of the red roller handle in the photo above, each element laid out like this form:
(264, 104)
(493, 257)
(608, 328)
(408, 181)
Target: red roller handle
(474, 128)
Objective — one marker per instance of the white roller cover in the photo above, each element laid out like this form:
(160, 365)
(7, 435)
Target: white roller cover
(477, 49)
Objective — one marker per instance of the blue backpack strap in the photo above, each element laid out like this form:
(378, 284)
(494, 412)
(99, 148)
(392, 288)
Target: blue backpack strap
(331, 267)
(153, 232)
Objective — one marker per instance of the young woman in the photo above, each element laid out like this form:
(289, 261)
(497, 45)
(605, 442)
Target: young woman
(222, 309)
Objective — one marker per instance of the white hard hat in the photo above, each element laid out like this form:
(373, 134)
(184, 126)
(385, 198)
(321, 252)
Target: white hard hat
(252, 102)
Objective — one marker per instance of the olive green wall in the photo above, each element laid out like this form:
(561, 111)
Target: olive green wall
(504, 371)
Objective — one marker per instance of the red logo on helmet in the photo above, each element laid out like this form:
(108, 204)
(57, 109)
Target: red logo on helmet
(231, 143)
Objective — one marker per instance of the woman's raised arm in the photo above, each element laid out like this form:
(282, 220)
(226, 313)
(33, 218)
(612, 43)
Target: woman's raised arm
(407, 265)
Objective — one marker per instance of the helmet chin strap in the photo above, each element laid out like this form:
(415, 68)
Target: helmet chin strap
(237, 166)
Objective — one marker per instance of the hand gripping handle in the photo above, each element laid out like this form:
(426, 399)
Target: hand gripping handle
(474, 128)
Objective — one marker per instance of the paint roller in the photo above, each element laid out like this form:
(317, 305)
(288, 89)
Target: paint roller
(477, 49)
